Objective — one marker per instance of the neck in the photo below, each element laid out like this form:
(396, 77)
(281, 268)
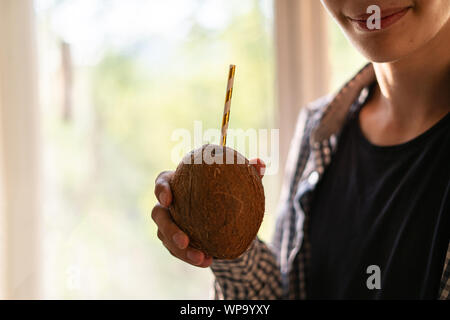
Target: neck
(415, 89)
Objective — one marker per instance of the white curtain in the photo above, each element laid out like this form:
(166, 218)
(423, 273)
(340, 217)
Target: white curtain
(302, 61)
(19, 156)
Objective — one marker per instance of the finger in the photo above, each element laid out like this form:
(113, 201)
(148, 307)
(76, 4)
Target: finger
(206, 262)
(190, 255)
(162, 188)
(168, 228)
(259, 165)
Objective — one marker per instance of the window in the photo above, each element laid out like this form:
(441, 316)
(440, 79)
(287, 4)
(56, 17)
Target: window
(118, 77)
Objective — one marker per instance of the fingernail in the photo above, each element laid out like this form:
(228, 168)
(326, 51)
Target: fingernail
(194, 256)
(163, 198)
(179, 240)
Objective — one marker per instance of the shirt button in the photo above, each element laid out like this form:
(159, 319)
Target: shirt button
(313, 178)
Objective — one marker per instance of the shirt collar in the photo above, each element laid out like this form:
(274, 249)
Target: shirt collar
(335, 113)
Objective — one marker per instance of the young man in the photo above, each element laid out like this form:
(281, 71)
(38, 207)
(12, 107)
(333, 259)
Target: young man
(366, 203)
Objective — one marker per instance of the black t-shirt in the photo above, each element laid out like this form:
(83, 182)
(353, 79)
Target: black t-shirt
(381, 207)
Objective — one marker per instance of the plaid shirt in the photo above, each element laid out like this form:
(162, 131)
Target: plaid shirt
(278, 270)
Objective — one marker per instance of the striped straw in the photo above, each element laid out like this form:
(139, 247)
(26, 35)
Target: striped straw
(226, 111)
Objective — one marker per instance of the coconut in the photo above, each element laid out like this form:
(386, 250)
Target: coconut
(218, 201)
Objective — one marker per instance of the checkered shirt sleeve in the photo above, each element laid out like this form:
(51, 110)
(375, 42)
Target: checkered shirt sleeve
(260, 273)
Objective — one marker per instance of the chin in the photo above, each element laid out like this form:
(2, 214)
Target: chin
(385, 47)
(382, 54)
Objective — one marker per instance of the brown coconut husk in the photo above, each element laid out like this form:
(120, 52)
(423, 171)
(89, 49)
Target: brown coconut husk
(219, 206)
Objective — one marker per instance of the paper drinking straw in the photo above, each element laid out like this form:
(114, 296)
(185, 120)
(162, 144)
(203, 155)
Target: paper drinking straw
(226, 111)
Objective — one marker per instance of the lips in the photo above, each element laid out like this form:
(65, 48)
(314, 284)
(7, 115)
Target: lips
(388, 18)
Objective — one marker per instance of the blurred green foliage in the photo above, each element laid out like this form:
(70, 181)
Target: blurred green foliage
(101, 240)
(345, 60)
